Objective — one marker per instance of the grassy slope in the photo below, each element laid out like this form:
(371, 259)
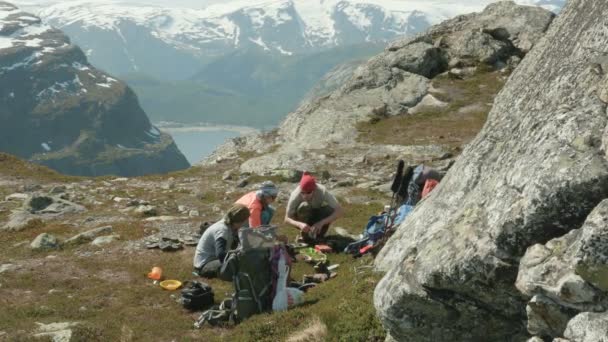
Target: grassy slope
(468, 104)
(111, 296)
(110, 293)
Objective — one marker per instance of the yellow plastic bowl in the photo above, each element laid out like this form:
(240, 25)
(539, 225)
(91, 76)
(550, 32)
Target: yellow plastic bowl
(170, 284)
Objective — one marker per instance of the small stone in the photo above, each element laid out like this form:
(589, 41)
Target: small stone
(16, 197)
(105, 240)
(227, 175)
(146, 210)
(194, 213)
(8, 268)
(243, 183)
(44, 241)
(57, 189)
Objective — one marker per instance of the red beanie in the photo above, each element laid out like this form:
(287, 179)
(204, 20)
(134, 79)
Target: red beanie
(307, 183)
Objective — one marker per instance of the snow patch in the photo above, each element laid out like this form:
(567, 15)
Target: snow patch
(104, 85)
(283, 51)
(259, 42)
(80, 67)
(6, 43)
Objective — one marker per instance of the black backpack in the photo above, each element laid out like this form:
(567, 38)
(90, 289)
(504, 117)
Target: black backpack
(197, 296)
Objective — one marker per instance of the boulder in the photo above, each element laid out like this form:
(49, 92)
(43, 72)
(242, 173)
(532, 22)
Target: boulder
(105, 240)
(566, 274)
(420, 58)
(44, 241)
(18, 220)
(147, 210)
(534, 172)
(588, 327)
(58, 332)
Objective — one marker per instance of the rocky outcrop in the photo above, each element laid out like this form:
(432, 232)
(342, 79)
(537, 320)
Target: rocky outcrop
(40, 207)
(535, 172)
(397, 80)
(59, 111)
(568, 276)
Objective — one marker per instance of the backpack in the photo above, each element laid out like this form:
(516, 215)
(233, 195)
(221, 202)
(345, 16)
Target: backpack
(252, 280)
(197, 296)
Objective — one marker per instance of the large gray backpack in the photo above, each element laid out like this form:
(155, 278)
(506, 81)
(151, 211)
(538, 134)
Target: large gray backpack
(252, 279)
(249, 268)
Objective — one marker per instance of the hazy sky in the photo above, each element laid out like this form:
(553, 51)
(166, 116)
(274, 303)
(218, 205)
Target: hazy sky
(204, 3)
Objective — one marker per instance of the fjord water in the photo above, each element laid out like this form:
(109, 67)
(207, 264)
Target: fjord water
(198, 144)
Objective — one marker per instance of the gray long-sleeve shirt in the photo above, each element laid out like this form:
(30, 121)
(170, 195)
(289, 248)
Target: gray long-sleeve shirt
(210, 246)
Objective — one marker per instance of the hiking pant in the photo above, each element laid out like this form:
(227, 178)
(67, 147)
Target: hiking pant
(305, 213)
(210, 269)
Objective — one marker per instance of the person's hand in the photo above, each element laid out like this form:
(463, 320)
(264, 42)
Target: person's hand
(305, 228)
(316, 228)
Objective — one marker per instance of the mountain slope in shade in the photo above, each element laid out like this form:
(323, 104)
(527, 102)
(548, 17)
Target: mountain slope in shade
(58, 110)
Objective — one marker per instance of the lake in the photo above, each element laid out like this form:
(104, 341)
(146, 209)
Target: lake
(198, 144)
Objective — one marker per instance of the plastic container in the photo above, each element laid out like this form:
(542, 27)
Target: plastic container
(170, 285)
(156, 273)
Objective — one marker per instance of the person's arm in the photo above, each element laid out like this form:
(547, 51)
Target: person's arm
(221, 248)
(297, 224)
(290, 213)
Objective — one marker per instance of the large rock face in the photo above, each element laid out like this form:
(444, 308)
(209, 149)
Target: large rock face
(535, 172)
(58, 110)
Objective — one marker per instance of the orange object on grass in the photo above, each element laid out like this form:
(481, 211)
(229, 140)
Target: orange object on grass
(323, 248)
(156, 273)
(366, 249)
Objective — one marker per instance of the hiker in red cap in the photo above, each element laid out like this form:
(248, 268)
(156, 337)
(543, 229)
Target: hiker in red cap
(311, 209)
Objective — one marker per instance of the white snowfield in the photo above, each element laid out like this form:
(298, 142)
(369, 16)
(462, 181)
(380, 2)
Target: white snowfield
(187, 28)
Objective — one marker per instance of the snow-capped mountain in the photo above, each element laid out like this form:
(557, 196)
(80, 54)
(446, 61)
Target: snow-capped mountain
(122, 37)
(60, 111)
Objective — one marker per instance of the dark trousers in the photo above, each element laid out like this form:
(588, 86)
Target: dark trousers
(305, 213)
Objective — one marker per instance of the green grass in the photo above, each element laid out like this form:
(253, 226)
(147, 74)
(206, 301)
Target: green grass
(452, 126)
(13, 166)
(110, 295)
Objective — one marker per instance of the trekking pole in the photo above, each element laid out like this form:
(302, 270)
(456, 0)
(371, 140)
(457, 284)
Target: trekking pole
(397, 181)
